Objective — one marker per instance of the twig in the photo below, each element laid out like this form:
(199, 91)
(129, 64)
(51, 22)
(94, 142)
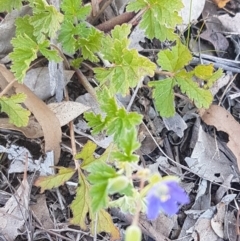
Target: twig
(134, 94)
(95, 7)
(138, 16)
(160, 72)
(95, 18)
(226, 89)
(83, 80)
(67, 65)
(72, 136)
(7, 88)
(54, 233)
(120, 19)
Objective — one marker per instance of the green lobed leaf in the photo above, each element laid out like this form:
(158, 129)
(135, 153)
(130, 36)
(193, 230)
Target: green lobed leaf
(104, 224)
(9, 5)
(201, 97)
(81, 206)
(67, 37)
(81, 203)
(96, 122)
(73, 9)
(24, 52)
(212, 79)
(128, 144)
(128, 67)
(174, 59)
(99, 175)
(46, 20)
(24, 27)
(160, 17)
(88, 158)
(203, 71)
(12, 107)
(127, 204)
(164, 96)
(50, 54)
(122, 123)
(49, 182)
(90, 44)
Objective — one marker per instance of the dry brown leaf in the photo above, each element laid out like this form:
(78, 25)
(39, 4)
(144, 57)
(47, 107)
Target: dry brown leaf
(221, 3)
(15, 212)
(64, 111)
(46, 118)
(32, 130)
(224, 121)
(41, 212)
(67, 111)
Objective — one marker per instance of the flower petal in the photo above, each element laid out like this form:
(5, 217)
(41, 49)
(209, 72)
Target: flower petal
(153, 206)
(177, 193)
(170, 207)
(165, 196)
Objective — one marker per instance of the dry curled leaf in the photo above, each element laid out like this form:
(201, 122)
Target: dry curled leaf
(223, 120)
(46, 118)
(67, 111)
(32, 130)
(221, 3)
(15, 212)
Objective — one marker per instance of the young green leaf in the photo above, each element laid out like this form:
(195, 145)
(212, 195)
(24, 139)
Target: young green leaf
(81, 206)
(73, 10)
(128, 144)
(123, 122)
(96, 122)
(88, 158)
(201, 97)
(163, 93)
(88, 39)
(99, 175)
(49, 182)
(90, 44)
(24, 27)
(50, 54)
(160, 17)
(24, 52)
(117, 122)
(11, 106)
(174, 61)
(127, 204)
(128, 67)
(46, 20)
(82, 203)
(67, 36)
(211, 80)
(203, 71)
(9, 5)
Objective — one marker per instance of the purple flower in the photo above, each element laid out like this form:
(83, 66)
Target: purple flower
(165, 196)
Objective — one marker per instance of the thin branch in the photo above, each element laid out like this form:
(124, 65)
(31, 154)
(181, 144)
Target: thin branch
(7, 88)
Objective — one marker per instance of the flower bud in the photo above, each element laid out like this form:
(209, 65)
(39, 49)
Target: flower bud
(133, 233)
(117, 184)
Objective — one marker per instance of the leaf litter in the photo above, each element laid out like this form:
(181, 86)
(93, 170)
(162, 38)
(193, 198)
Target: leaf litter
(199, 150)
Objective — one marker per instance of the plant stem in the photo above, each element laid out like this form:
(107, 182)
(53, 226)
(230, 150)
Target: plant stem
(110, 24)
(160, 72)
(7, 88)
(139, 206)
(138, 16)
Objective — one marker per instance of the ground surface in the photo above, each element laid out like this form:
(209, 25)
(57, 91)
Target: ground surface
(201, 147)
